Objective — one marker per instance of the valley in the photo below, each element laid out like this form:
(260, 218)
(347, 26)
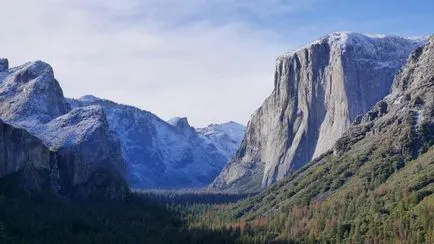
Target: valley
(342, 151)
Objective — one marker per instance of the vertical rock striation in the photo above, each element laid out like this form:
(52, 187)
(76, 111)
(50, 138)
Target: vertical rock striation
(319, 90)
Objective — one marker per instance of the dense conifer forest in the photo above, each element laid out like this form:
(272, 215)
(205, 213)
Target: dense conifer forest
(387, 203)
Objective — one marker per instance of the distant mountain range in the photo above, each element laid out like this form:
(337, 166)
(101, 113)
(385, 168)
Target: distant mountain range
(162, 154)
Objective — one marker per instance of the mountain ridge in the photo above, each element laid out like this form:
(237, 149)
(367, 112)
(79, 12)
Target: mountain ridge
(160, 154)
(86, 152)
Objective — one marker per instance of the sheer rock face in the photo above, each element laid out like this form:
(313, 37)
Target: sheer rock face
(88, 156)
(377, 148)
(89, 152)
(319, 91)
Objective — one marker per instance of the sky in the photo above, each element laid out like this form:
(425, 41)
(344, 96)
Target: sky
(211, 61)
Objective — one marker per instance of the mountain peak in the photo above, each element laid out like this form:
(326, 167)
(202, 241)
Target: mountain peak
(366, 44)
(89, 98)
(4, 64)
(179, 122)
(32, 92)
(35, 69)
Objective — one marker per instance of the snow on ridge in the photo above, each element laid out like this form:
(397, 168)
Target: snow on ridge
(345, 38)
(71, 128)
(226, 137)
(159, 154)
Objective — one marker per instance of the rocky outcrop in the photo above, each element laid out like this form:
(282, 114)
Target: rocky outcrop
(159, 154)
(319, 91)
(88, 160)
(404, 118)
(182, 125)
(90, 154)
(29, 94)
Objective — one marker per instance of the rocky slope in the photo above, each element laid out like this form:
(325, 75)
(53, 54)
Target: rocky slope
(319, 91)
(159, 154)
(88, 153)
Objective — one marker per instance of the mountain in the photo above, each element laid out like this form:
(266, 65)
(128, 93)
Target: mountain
(319, 90)
(94, 135)
(375, 185)
(226, 137)
(159, 154)
(87, 156)
(29, 95)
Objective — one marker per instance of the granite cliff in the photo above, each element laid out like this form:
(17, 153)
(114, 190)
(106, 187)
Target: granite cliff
(319, 90)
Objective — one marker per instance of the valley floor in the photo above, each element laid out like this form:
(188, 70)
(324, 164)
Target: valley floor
(397, 209)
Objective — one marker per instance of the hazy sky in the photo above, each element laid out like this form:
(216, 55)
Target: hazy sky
(209, 60)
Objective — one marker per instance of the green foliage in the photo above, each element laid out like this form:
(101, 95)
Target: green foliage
(384, 199)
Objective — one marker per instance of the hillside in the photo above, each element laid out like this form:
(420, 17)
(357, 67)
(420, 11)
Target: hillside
(375, 185)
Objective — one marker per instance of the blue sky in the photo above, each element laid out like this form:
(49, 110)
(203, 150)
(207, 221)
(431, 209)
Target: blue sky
(209, 60)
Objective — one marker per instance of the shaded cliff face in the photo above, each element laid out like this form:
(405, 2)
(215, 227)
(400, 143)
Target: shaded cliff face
(90, 154)
(319, 91)
(158, 154)
(25, 158)
(89, 161)
(29, 166)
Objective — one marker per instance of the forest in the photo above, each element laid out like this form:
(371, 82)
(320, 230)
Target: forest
(371, 195)
(390, 212)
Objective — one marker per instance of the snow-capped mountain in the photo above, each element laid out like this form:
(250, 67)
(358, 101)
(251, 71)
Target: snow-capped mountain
(29, 94)
(226, 137)
(319, 90)
(90, 134)
(160, 154)
(86, 156)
